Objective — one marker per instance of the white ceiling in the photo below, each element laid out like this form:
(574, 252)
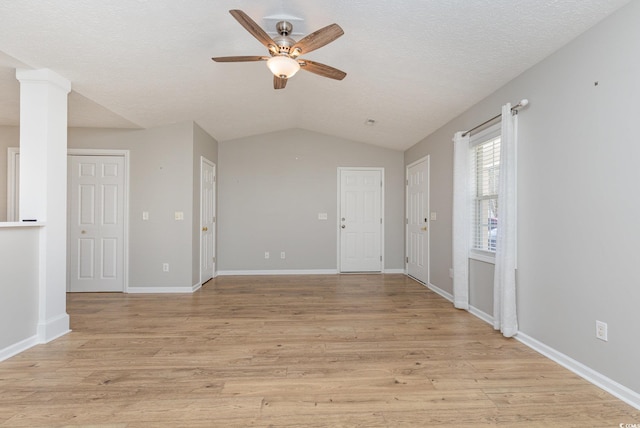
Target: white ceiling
(411, 65)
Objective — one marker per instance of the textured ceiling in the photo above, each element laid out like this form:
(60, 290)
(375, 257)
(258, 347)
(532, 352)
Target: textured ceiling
(411, 65)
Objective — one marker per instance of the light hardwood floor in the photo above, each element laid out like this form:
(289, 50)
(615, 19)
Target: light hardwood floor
(292, 351)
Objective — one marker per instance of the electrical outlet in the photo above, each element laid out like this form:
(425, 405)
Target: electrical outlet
(601, 330)
(266, 254)
(165, 267)
(282, 255)
(145, 215)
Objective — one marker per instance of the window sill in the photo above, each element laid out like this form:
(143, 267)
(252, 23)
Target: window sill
(483, 256)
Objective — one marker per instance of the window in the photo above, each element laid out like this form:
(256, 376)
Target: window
(485, 168)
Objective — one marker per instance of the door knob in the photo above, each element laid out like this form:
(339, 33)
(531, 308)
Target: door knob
(424, 228)
(204, 229)
(343, 226)
(83, 232)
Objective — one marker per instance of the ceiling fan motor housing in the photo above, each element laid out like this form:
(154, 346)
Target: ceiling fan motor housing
(283, 41)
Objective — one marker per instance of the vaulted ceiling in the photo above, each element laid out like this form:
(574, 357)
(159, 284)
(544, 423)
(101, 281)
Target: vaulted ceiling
(411, 65)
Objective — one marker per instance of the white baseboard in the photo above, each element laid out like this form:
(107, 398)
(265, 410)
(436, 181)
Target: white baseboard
(440, 291)
(296, 272)
(195, 287)
(482, 315)
(53, 328)
(45, 333)
(433, 288)
(19, 347)
(278, 272)
(165, 290)
(612, 387)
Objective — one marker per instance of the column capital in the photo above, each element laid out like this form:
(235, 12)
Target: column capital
(43, 75)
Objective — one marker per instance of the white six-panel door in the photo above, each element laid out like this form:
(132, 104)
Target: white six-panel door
(360, 220)
(96, 223)
(418, 220)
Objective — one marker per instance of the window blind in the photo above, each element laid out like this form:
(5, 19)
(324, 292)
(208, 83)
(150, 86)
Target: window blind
(485, 165)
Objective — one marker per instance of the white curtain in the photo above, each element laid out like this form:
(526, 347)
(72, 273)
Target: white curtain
(461, 222)
(504, 285)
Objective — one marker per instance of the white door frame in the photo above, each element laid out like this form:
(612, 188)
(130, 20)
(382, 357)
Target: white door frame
(382, 212)
(12, 183)
(203, 161)
(427, 159)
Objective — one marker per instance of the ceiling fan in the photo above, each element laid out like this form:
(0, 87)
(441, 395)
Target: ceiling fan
(284, 61)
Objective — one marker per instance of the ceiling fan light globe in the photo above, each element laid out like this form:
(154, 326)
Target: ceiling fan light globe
(282, 66)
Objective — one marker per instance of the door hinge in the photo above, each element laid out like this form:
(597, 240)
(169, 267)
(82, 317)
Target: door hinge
(380, 258)
(214, 178)
(407, 182)
(380, 220)
(407, 259)
(214, 219)
(214, 259)
(406, 221)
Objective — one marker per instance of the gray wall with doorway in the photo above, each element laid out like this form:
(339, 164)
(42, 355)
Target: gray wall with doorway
(273, 186)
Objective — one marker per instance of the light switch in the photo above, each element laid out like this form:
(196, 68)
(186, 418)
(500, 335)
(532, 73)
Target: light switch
(433, 216)
(179, 215)
(145, 215)
(322, 216)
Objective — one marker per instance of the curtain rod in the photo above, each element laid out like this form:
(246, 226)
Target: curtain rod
(521, 104)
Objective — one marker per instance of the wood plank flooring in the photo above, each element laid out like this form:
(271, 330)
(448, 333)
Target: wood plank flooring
(292, 351)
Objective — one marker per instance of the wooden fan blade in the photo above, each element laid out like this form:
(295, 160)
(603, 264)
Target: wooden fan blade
(317, 40)
(255, 30)
(322, 69)
(239, 58)
(279, 82)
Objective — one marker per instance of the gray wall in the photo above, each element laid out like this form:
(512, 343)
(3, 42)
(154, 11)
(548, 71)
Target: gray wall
(578, 208)
(162, 167)
(272, 188)
(19, 248)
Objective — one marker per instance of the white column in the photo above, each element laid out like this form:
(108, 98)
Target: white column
(43, 188)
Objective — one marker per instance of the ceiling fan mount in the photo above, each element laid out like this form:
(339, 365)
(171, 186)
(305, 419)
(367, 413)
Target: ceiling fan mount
(284, 50)
(284, 28)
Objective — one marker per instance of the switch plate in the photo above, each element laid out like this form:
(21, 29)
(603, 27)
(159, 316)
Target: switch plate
(266, 254)
(434, 216)
(165, 267)
(322, 216)
(282, 255)
(145, 215)
(179, 215)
